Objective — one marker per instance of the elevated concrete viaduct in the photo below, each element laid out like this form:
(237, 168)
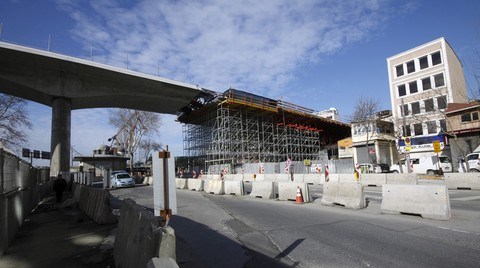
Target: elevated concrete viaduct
(66, 83)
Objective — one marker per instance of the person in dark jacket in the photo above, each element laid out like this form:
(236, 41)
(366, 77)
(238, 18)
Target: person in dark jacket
(59, 186)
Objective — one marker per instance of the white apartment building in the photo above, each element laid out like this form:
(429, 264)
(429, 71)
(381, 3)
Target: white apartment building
(423, 80)
(331, 113)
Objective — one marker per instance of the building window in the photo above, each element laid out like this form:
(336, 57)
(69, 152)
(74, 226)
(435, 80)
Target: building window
(402, 91)
(426, 83)
(399, 69)
(432, 127)
(436, 59)
(474, 116)
(413, 87)
(415, 108)
(443, 125)
(466, 117)
(404, 109)
(406, 131)
(469, 117)
(417, 129)
(410, 67)
(442, 102)
(423, 62)
(429, 105)
(439, 81)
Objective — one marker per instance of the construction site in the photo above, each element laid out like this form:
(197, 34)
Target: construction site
(233, 129)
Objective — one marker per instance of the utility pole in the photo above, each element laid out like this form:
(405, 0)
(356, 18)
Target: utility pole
(407, 152)
(1, 28)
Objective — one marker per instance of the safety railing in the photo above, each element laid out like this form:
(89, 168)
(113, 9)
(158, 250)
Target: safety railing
(22, 188)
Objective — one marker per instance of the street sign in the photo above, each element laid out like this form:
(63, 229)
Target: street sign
(408, 146)
(436, 147)
(164, 187)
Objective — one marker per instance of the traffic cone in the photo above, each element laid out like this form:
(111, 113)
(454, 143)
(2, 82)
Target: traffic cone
(299, 199)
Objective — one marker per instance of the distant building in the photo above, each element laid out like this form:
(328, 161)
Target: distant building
(331, 113)
(423, 81)
(374, 141)
(463, 125)
(103, 158)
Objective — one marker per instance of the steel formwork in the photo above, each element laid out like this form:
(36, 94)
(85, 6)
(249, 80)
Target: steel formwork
(239, 127)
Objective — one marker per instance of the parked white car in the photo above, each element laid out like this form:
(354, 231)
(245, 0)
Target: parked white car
(425, 165)
(121, 180)
(474, 161)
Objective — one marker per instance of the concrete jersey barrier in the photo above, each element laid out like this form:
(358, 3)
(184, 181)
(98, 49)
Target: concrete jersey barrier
(95, 203)
(288, 191)
(312, 178)
(263, 189)
(228, 177)
(373, 179)
(253, 177)
(214, 187)
(402, 178)
(238, 177)
(269, 177)
(139, 237)
(282, 177)
(348, 194)
(346, 177)
(331, 177)
(429, 201)
(195, 185)
(462, 180)
(233, 187)
(181, 183)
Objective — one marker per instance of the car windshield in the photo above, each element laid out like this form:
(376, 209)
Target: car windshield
(413, 160)
(444, 159)
(472, 157)
(123, 176)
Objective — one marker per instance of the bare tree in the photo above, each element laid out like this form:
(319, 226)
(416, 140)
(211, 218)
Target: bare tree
(364, 116)
(133, 125)
(149, 145)
(13, 121)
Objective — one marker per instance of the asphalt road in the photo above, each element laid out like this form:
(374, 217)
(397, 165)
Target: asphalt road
(241, 231)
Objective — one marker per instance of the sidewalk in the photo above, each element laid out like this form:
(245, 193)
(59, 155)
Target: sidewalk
(52, 236)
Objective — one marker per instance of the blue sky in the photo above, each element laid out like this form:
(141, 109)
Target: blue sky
(317, 54)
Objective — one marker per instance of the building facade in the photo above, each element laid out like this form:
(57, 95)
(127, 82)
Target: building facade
(463, 124)
(331, 113)
(374, 141)
(423, 81)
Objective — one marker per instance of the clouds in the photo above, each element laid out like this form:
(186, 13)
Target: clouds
(254, 45)
(258, 46)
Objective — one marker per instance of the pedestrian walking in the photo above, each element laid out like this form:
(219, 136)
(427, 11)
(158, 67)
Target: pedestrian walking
(59, 186)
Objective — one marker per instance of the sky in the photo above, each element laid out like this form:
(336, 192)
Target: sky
(316, 54)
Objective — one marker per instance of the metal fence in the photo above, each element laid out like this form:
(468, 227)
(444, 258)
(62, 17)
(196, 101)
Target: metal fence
(299, 167)
(22, 188)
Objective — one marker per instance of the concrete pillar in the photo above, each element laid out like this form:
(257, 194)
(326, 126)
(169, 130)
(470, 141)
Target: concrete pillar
(60, 140)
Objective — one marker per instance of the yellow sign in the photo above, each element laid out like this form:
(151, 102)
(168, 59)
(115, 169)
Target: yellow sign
(407, 144)
(436, 147)
(307, 162)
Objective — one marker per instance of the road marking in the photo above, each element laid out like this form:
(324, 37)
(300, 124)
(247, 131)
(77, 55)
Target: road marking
(467, 198)
(456, 230)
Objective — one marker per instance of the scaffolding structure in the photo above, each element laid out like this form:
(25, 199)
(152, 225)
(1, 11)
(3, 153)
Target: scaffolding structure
(238, 127)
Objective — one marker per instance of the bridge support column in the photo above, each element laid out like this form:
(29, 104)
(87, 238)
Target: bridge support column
(60, 140)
